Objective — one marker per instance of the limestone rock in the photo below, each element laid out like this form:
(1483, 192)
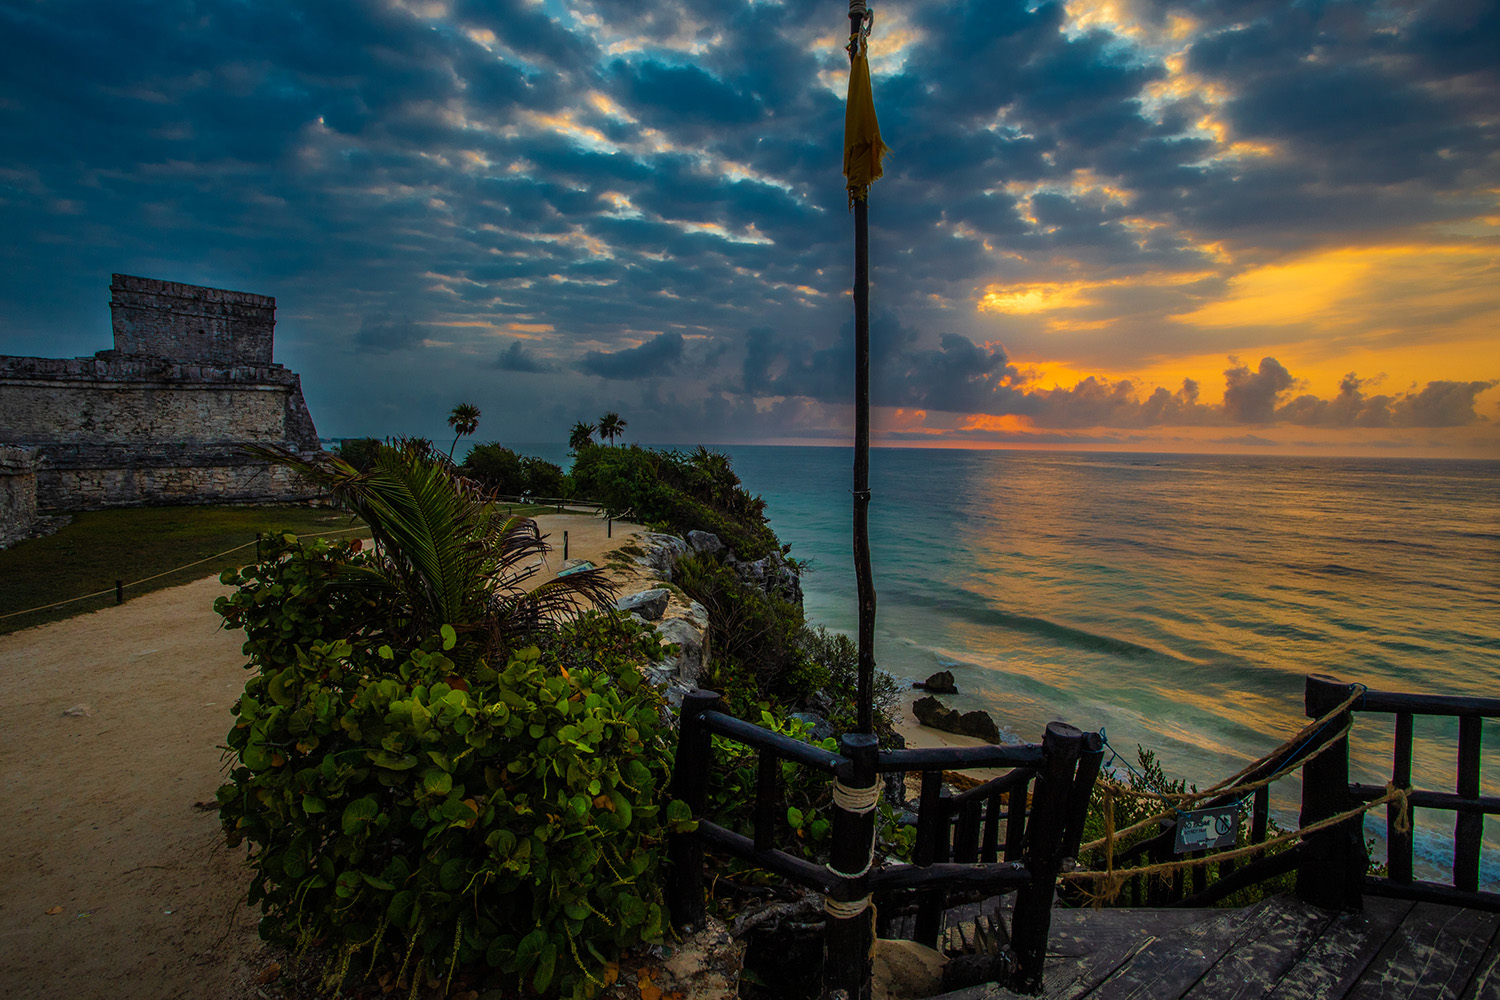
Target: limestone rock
(662, 552)
(692, 643)
(938, 683)
(906, 970)
(649, 604)
(819, 728)
(705, 542)
(931, 712)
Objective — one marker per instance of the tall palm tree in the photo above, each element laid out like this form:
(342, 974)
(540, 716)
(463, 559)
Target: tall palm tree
(447, 557)
(465, 420)
(611, 426)
(582, 436)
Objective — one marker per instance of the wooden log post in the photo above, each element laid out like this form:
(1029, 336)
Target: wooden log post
(849, 938)
(1032, 919)
(690, 784)
(1334, 874)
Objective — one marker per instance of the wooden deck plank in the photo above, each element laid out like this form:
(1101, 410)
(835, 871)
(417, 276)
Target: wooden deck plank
(1168, 967)
(1268, 944)
(1086, 946)
(1333, 963)
(1431, 956)
(1486, 982)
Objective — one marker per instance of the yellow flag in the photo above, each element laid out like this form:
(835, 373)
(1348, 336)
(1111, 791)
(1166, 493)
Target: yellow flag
(862, 145)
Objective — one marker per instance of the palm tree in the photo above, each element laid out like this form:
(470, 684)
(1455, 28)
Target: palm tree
(446, 556)
(582, 436)
(465, 420)
(611, 426)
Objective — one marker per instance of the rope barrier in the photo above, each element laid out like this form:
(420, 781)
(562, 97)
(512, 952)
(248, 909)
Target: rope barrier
(157, 576)
(1288, 749)
(1114, 879)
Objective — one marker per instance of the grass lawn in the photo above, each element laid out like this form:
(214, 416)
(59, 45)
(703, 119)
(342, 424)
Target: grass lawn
(102, 546)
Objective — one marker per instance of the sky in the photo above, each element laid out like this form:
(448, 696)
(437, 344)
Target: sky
(1216, 226)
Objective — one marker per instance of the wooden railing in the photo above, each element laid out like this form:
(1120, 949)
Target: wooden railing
(1340, 878)
(958, 845)
(1332, 864)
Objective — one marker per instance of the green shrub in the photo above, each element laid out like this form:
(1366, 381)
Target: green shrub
(542, 478)
(510, 474)
(358, 452)
(497, 467)
(837, 655)
(415, 807)
(754, 635)
(1132, 809)
(807, 794)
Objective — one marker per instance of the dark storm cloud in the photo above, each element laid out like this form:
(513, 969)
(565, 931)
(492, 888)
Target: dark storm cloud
(657, 356)
(516, 358)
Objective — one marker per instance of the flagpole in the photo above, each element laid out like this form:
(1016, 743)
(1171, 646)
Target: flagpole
(864, 576)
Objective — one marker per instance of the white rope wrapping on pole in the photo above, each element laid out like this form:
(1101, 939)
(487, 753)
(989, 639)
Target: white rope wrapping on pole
(845, 911)
(856, 6)
(859, 802)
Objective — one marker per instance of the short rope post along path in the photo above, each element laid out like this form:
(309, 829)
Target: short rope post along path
(1109, 881)
(119, 588)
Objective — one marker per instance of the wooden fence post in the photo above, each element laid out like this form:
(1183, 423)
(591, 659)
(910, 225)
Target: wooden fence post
(1032, 918)
(1333, 874)
(690, 784)
(931, 846)
(849, 938)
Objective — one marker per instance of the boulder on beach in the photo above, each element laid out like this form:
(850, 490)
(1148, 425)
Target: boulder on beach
(931, 712)
(938, 683)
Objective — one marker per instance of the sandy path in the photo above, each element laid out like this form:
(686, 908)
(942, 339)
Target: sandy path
(98, 813)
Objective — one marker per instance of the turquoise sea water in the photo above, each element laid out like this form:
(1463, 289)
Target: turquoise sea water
(1176, 601)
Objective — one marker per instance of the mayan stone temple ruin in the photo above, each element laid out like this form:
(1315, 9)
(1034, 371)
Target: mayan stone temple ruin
(160, 419)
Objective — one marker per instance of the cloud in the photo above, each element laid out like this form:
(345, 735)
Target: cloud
(383, 336)
(1250, 397)
(516, 358)
(1133, 182)
(657, 356)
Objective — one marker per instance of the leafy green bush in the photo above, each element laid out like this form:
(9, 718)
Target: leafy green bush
(419, 806)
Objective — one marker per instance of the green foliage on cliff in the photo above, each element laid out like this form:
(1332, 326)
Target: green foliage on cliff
(677, 492)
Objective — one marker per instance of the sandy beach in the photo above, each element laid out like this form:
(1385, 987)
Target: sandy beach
(114, 879)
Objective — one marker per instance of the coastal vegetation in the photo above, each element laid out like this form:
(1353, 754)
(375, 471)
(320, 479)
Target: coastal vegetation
(436, 768)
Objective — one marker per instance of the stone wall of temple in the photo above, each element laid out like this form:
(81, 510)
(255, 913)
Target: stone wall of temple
(166, 415)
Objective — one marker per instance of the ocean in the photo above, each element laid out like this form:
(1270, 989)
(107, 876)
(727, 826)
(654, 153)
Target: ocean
(1175, 601)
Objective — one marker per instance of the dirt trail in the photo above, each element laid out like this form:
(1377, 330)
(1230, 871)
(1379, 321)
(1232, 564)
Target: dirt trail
(114, 883)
